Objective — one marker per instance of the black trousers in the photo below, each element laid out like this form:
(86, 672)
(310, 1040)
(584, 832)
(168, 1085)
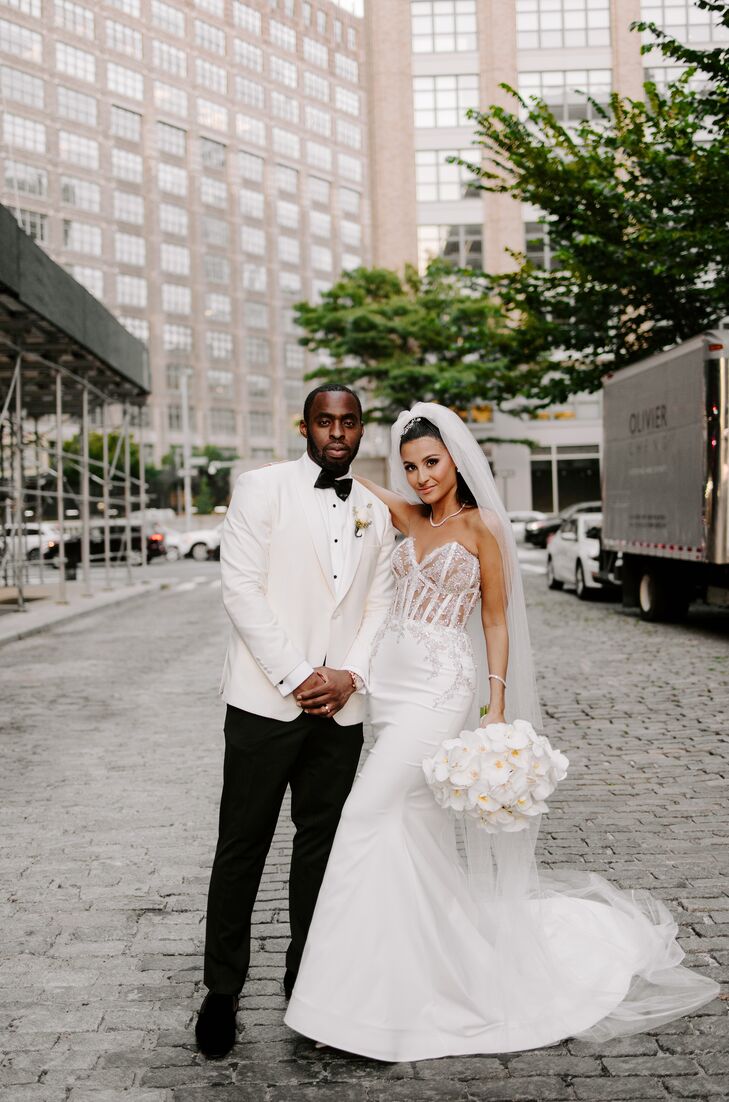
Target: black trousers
(318, 758)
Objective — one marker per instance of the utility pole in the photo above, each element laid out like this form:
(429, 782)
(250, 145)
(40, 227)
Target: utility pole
(186, 451)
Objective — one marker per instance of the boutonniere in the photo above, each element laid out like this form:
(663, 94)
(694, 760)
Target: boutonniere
(362, 520)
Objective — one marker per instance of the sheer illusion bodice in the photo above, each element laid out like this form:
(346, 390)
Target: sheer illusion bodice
(443, 589)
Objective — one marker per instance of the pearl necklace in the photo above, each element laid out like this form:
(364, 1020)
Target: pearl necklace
(450, 517)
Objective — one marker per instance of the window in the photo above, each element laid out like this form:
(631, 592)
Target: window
(246, 17)
(321, 22)
(176, 299)
(77, 63)
(215, 7)
(444, 100)
(349, 133)
(259, 387)
(252, 240)
(222, 422)
(34, 224)
(21, 87)
(444, 26)
(172, 179)
(350, 167)
(294, 357)
(337, 30)
(74, 18)
(543, 24)
(250, 166)
(287, 179)
(139, 328)
(168, 18)
(215, 230)
(435, 179)
(211, 76)
(22, 133)
(346, 68)
(316, 53)
(319, 121)
(213, 192)
(217, 307)
(212, 154)
(216, 268)
(253, 277)
(284, 72)
(250, 130)
(128, 208)
(289, 282)
(212, 114)
(28, 179)
(287, 214)
(26, 7)
(345, 100)
(174, 418)
(351, 233)
(260, 423)
(459, 245)
(173, 375)
(349, 201)
(306, 12)
(90, 278)
(220, 382)
(282, 35)
(247, 54)
(177, 338)
(285, 107)
(125, 81)
(315, 86)
(320, 224)
(123, 39)
(82, 237)
(566, 91)
(321, 258)
(319, 191)
(255, 315)
(131, 290)
(126, 166)
(126, 124)
(209, 37)
(536, 244)
(171, 139)
(351, 261)
(250, 92)
(168, 58)
(23, 44)
(219, 345)
(173, 219)
(76, 106)
(129, 249)
(175, 259)
(128, 7)
(251, 203)
(77, 150)
(170, 99)
(288, 250)
(319, 156)
(351, 38)
(286, 143)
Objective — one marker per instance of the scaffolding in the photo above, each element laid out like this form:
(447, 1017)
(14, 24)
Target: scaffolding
(65, 361)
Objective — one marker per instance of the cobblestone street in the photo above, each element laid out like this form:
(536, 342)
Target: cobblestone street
(110, 772)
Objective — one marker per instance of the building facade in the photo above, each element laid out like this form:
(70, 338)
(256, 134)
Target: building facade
(429, 61)
(199, 166)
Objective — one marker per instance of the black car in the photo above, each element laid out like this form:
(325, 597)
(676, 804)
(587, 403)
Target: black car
(537, 532)
(117, 544)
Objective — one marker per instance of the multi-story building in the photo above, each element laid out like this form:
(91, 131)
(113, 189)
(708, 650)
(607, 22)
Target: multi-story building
(429, 61)
(199, 165)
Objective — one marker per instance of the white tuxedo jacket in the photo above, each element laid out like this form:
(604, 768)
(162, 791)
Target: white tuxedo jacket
(279, 594)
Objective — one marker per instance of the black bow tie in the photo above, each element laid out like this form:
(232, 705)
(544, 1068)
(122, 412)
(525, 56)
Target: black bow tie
(326, 481)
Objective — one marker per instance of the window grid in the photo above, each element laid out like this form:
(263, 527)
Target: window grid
(171, 139)
(435, 179)
(22, 133)
(81, 193)
(128, 208)
(444, 100)
(74, 18)
(20, 42)
(129, 248)
(126, 124)
(82, 237)
(123, 39)
(168, 18)
(443, 26)
(169, 58)
(458, 245)
(76, 63)
(565, 91)
(173, 219)
(34, 223)
(21, 87)
(28, 179)
(684, 21)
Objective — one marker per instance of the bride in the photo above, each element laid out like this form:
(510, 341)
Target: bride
(429, 938)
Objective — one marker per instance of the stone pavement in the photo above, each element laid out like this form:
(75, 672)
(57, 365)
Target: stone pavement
(110, 767)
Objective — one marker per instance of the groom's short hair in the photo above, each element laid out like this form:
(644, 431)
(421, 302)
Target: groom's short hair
(324, 389)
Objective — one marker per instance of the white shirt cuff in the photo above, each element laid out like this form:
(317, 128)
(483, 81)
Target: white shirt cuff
(365, 687)
(295, 678)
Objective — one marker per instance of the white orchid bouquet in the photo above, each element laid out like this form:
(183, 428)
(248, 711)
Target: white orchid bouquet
(499, 775)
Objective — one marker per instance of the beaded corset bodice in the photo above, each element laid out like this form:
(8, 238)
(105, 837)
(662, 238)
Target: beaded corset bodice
(442, 589)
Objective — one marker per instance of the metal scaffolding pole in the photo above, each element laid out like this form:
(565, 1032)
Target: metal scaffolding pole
(105, 493)
(128, 491)
(39, 501)
(62, 599)
(142, 494)
(19, 487)
(85, 498)
(186, 451)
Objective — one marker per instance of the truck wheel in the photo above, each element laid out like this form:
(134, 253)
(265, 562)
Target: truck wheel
(581, 589)
(199, 552)
(659, 600)
(552, 582)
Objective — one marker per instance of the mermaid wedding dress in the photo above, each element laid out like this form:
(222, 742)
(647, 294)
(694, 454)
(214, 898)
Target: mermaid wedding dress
(409, 957)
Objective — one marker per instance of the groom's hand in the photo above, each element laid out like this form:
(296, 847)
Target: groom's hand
(329, 695)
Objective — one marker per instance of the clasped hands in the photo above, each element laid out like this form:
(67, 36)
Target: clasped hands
(324, 692)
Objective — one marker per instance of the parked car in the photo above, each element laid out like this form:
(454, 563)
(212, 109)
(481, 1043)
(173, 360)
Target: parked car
(200, 544)
(520, 519)
(573, 555)
(117, 544)
(537, 532)
(37, 539)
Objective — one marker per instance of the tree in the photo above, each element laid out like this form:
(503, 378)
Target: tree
(72, 466)
(439, 337)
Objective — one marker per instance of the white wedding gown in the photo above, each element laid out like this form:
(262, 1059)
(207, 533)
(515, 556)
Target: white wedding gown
(404, 961)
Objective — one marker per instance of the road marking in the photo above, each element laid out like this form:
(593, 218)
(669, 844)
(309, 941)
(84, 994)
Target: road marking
(185, 587)
(530, 568)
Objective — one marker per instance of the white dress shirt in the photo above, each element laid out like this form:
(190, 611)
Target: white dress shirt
(337, 520)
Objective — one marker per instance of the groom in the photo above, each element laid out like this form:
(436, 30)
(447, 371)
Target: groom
(305, 562)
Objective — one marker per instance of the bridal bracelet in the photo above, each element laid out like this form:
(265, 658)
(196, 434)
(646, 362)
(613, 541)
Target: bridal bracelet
(496, 677)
